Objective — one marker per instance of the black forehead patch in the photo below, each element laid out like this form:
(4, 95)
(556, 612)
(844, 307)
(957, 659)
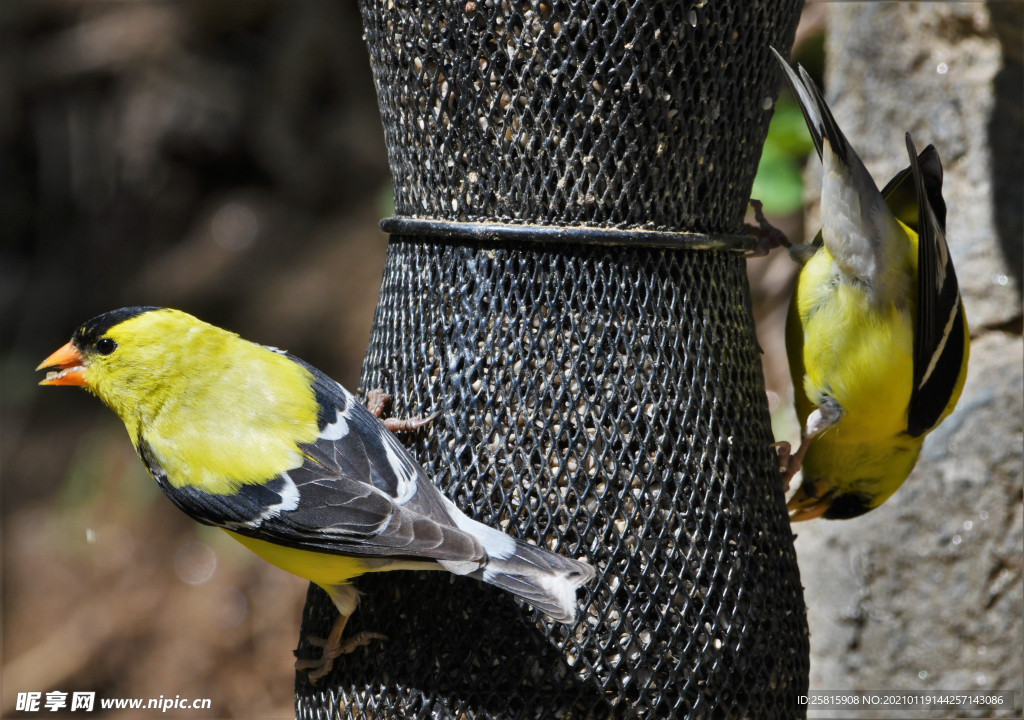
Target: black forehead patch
(93, 330)
(848, 505)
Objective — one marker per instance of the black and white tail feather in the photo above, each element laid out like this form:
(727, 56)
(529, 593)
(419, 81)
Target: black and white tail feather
(816, 113)
(544, 579)
(857, 226)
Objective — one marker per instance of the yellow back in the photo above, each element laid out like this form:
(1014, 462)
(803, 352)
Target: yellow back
(216, 411)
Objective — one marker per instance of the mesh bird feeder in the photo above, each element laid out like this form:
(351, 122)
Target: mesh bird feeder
(564, 283)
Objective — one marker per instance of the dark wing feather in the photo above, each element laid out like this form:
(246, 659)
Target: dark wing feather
(359, 492)
(939, 324)
(900, 193)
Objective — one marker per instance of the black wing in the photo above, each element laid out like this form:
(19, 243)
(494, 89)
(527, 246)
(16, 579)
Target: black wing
(359, 492)
(939, 325)
(900, 193)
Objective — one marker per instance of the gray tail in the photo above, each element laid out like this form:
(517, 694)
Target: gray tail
(816, 112)
(540, 577)
(545, 580)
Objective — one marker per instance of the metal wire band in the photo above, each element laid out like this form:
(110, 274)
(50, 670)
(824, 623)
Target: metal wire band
(577, 235)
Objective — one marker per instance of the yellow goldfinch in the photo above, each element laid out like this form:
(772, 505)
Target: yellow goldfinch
(876, 334)
(285, 460)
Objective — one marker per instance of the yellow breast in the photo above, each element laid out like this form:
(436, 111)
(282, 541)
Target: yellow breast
(859, 354)
(842, 345)
(216, 411)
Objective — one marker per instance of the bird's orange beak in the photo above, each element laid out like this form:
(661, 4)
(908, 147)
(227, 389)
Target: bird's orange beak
(70, 366)
(805, 505)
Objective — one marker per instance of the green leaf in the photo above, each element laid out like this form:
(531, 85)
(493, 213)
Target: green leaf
(778, 184)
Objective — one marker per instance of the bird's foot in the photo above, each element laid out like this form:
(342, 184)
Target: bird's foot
(319, 668)
(790, 462)
(409, 424)
(333, 646)
(818, 422)
(785, 452)
(768, 236)
(377, 399)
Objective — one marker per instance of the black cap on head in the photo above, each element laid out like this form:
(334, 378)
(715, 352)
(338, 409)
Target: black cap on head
(93, 330)
(847, 505)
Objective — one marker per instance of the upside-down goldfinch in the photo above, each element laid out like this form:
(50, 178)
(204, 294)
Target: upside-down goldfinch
(876, 334)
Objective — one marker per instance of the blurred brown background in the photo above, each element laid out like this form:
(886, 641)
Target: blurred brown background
(223, 158)
(226, 158)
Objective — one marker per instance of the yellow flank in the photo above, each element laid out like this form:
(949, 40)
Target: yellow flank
(216, 411)
(839, 344)
(324, 569)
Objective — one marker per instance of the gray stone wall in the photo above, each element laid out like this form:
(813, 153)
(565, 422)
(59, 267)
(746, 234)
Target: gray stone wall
(926, 591)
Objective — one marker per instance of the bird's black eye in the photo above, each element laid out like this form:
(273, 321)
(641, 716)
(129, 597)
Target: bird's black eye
(105, 346)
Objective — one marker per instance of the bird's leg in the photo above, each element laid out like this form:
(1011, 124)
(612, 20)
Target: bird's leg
(376, 399)
(345, 599)
(768, 236)
(805, 504)
(817, 422)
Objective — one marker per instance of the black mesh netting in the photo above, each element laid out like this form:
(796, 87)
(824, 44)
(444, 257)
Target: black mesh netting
(606, 403)
(597, 112)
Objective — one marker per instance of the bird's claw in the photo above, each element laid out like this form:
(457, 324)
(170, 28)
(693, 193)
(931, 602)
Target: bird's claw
(790, 462)
(409, 424)
(321, 667)
(768, 236)
(784, 450)
(785, 453)
(359, 640)
(377, 399)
